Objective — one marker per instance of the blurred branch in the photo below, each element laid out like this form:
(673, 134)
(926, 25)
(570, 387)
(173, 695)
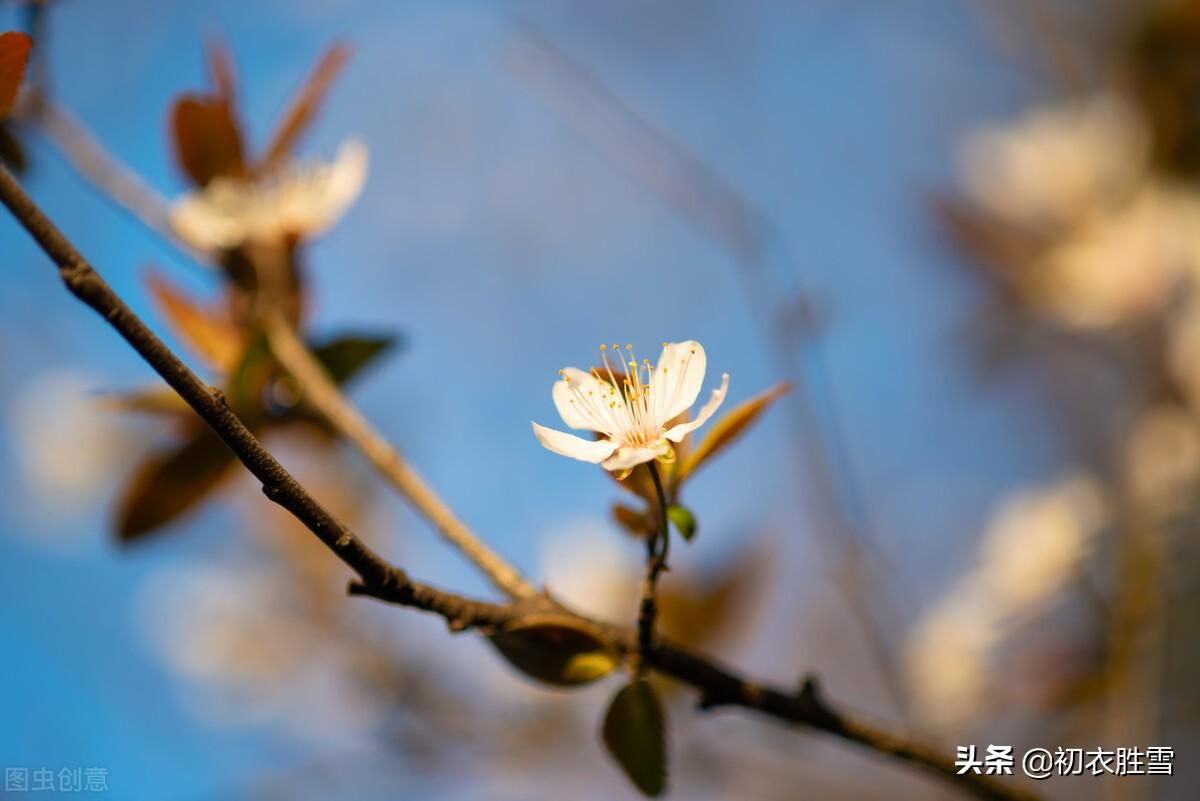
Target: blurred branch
(382, 580)
(121, 185)
(112, 179)
(323, 395)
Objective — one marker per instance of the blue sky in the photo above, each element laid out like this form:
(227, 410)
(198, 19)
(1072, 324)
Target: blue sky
(505, 243)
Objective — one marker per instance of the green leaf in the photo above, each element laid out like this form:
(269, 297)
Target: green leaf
(727, 429)
(635, 733)
(345, 357)
(247, 382)
(172, 483)
(555, 651)
(683, 520)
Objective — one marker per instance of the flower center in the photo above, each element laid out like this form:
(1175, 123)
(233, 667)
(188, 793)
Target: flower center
(625, 409)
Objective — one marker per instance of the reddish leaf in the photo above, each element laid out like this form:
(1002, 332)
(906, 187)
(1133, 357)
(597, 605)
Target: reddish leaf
(207, 140)
(220, 67)
(14, 55)
(172, 483)
(211, 338)
(305, 106)
(727, 429)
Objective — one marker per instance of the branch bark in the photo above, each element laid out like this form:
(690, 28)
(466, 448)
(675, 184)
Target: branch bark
(716, 685)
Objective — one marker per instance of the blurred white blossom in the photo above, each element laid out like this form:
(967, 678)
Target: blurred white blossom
(249, 653)
(1162, 459)
(301, 200)
(1056, 162)
(591, 570)
(1123, 263)
(1113, 241)
(1033, 546)
(67, 449)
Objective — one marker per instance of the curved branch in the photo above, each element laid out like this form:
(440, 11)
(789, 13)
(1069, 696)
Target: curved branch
(122, 186)
(716, 685)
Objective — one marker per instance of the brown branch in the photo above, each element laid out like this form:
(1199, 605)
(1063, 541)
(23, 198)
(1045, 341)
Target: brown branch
(380, 579)
(122, 186)
(324, 396)
(658, 545)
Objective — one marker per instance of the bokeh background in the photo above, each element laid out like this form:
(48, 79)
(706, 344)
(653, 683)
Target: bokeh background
(935, 521)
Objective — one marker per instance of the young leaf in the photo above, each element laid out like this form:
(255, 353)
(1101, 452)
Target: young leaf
(555, 652)
(207, 139)
(172, 483)
(727, 429)
(305, 106)
(345, 357)
(631, 520)
(683, 520)
(14, 55)
(157, 400)
(247, 383)
(214, 340)
(635, 733)
(220, 68)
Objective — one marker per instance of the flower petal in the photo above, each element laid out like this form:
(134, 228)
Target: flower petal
(215, 217)
(677, 378)
(585, 450)
(310, 201)
(627, 457)
(580, 400)
(678, 432)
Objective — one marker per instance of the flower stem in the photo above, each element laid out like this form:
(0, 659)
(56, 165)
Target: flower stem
(657, 548)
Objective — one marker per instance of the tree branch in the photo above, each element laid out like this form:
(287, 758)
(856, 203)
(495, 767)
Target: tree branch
(380, 579)
(324, 396)
(119, 184)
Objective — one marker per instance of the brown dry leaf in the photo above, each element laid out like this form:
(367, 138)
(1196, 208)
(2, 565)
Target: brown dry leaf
(210, 337)
(208, 142)
(304, 106)
(156, 400)
(171, 483)
(727, 429)
(220, 67)
(696, 611)
(14, 55)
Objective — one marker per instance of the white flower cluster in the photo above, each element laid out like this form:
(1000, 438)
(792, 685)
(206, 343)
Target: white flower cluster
(1034, 545)
(1114, 240)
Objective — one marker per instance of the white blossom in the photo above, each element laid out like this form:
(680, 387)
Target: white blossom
(631, 413)
(1032, 547)
(1056, 162)
(298, 200)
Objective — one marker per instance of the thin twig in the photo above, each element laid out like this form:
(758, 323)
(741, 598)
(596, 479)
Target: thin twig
(658, 545)
(719, 211)
(324, 396)
(113, 180)
(122, 186)
(382, 580)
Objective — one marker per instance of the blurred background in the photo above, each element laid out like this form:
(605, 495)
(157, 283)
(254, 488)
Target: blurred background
(968, 232)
